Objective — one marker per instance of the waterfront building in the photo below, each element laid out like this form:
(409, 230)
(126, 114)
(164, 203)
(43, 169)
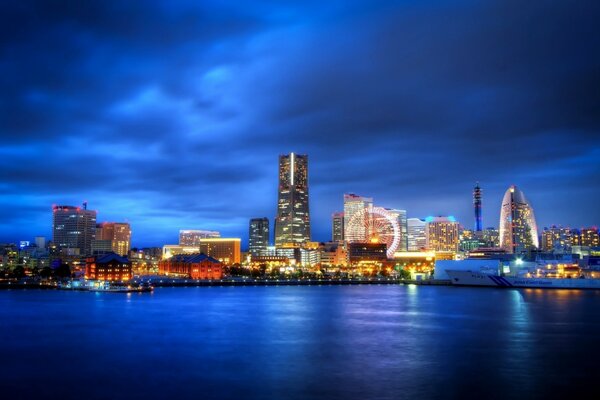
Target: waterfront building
(258, 236)
(477, 195)
(193, 266)
(400, 216)
(358, 252)
(333, 254)
(74, 228)
(226, 250)
(119, 235)
(192, 237)
(108, 267)
(310, 257)
(442, 234)
(292, 224)
(556, 239)
(418, 263)
(518, 230)
(416, 234)
(337, 226)
(354, 204)
(589, 237)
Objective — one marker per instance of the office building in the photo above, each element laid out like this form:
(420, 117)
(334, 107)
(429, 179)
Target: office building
(119, 235)
(226, 250)
(73, 228)
(292, 224)
(337, 227)
(518, 230)
(442, 234)
(416, 234)
(355, 205)
(258, 236)
(191, 237)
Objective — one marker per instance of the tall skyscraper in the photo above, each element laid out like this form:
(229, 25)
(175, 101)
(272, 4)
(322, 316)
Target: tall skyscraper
(416, 232)
(477, 207)
(403, 225)
(337, 227)
(292, 224)
(119, 235)
(442, 234)
(518, 230)
(191, 237)
(258, 237)
(74, 228)
(354, 204)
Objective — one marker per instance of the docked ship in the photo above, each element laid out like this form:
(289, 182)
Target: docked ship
(104, 286)
(472, 278)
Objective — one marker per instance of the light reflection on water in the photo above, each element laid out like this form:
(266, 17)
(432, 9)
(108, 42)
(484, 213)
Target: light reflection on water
(384, 342)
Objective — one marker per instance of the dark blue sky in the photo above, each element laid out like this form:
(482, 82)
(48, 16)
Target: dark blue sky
(172, 114)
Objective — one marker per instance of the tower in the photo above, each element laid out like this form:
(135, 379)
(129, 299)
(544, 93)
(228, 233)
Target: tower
(292, 224)
(258, 236)
(74, 228)
(477, 207)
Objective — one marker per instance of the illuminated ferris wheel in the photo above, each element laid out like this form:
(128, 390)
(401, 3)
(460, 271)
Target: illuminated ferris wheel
(374, 224)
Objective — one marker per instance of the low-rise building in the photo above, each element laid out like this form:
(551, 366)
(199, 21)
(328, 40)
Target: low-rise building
(109, 267)
(194, 266)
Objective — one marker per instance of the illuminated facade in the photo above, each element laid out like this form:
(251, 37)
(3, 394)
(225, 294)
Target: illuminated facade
(400, 215)
(337, 227)
(477, 208)
(258, 236)
(556, 238)
(119, 235)
(191, 237)
(416, 234)
(442, 234)
(518, 230)
(369, 252)
(194, 266)
(292, 224)
(589, 237)
(109, 267)
(74, 228)
(354, 204)
(226, 250)
(375, 225)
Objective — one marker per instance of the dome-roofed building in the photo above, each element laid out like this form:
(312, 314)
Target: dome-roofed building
(518, 230)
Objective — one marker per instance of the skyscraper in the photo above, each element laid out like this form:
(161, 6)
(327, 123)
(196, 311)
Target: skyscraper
(416, 232)
(119, 235)
(337, 227)
(477, 207)
(292, 224)
(518, 230)
(354, 204)
(74, 228)
(442, 234)
(258, 236)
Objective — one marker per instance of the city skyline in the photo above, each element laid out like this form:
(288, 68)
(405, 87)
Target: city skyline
(115, 108)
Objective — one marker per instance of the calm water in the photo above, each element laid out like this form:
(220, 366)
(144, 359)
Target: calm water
(350, 342)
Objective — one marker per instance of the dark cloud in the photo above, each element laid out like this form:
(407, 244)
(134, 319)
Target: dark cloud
(172, 114)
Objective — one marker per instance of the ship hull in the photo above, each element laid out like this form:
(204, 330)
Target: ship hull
(469, 278)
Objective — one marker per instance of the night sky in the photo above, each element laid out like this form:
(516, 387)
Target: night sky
(171, 115)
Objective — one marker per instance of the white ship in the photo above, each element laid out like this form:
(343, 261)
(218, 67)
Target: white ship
(471, 278)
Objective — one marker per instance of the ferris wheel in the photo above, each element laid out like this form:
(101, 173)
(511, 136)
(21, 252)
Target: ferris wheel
(374, 224)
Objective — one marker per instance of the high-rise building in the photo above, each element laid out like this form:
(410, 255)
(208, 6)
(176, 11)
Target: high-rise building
(400, 216)
(491, 237)
(442, 234)
(258, 238)
(354, 204)
(119, 235)
(477, 207)
(226, 250)
(292, 224)
(518, 230)
(416, 232)
(337, 227)
(556, 238)
(191, 237)
(74, 228)
(589, 237)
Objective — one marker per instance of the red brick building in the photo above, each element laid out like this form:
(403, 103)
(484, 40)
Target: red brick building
(194, 266)
(109, 267)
